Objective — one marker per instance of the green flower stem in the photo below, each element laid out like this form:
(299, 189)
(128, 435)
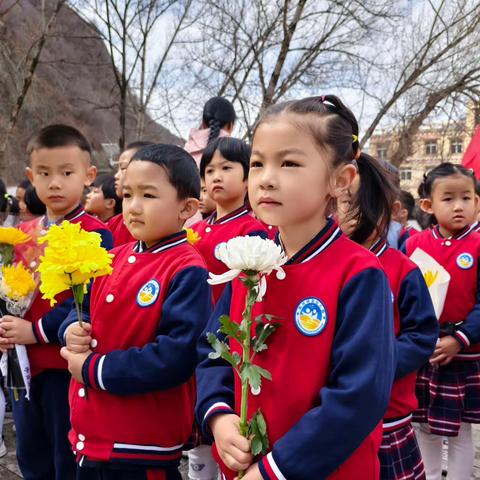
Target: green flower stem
(247, 325)
(78, 299)
(7, 252)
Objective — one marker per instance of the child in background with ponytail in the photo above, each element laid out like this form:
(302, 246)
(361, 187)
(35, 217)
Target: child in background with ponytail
(218, 119)
(415, 323)
(448, 387)
(331, 382)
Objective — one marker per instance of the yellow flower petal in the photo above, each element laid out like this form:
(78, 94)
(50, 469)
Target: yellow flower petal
(192, 236)
(72, 257)
(13, 236)
(17, 282)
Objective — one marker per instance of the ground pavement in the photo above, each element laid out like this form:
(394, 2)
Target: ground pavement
(9, 468)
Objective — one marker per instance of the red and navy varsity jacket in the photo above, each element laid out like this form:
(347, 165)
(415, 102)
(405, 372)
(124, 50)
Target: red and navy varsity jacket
(137, 401)
(406, 232)
(459, 255)
(120, 232)
(332, 362)
(416, 330)
(213, 232)
(46, 320)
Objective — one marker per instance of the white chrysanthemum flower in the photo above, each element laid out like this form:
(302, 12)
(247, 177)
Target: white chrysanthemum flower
(249, 254)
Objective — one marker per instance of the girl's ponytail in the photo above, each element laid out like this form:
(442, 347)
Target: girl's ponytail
(215, 127)
(217, 113)
(372, 204)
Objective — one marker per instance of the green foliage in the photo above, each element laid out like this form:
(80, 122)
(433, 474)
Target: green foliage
(258, 434)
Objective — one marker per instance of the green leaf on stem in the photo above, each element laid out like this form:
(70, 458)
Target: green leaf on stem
(262, 332)
(231, 329)
(253, 375)
(222, 350)
(258, 432)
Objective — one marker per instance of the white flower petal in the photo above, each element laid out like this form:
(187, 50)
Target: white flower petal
(262, 288)
(224, 277)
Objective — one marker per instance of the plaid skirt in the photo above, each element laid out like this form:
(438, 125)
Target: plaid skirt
(400, 457)
(448, 395)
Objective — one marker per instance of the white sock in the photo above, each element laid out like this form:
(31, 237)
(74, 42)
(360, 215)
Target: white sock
(431, 450)
(461, 454)
(201, 465)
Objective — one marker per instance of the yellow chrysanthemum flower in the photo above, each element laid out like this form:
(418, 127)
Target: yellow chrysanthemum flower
(17, 282)
(72, 257)
(192, 236)
(13, 236)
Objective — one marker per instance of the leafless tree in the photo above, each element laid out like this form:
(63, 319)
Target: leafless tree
(430, 57)
(260, 52)
(27, 74)
(128, 28)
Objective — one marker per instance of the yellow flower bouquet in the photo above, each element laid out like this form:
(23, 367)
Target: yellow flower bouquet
(17, 289)
(9, 238)
(72, 258)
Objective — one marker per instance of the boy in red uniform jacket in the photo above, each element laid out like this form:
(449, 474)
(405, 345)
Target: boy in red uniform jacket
(60, 169)
(133, 394)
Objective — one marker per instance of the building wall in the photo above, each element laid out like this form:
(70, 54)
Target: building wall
(451, 142)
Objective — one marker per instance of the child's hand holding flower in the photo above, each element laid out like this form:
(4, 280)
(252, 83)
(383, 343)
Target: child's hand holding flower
(75, 362)
(77, 338)
(16, 331)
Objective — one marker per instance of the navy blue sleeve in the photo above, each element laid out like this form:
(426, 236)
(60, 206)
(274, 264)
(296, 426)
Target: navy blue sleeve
(51, 327)
(171, 358)
(357, 392)
(259, 233)
(215, 389)
(468, 333)
(107, 238)
(419, 326)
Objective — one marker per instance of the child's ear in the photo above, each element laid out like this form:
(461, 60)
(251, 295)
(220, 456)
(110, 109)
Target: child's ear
(29, 174)
(109, 203)
(189, 209)
(342, 180)
(91, 175)
(426, 205)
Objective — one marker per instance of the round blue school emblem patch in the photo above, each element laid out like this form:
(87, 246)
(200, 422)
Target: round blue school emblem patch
(148, 294)
(311, 316)
(215, 251)
(465, 261)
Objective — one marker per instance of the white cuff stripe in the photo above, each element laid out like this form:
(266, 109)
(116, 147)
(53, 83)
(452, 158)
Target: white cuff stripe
(42, 332)
(99, 372)
(216, 405)
(464, 337)
(274, 467)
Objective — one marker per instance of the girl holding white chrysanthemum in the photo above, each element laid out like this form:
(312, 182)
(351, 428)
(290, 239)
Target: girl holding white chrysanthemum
(331, 359)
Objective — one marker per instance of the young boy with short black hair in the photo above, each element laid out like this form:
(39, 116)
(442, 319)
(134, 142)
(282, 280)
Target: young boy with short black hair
(60, 169)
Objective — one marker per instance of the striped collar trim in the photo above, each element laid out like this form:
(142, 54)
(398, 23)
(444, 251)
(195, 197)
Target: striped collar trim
(71, 217)
(324, 239)
(239, 212)
(464, 232)
(171, 241)
(379, 247)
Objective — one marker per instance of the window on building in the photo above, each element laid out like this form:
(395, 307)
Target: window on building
(405, 174)
(456, 146)
(431, 147)
(382, 152)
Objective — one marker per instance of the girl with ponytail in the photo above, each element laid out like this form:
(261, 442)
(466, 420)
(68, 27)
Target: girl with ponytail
(364, 214)
(332, 359)
(218, 119)
(448, 386)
